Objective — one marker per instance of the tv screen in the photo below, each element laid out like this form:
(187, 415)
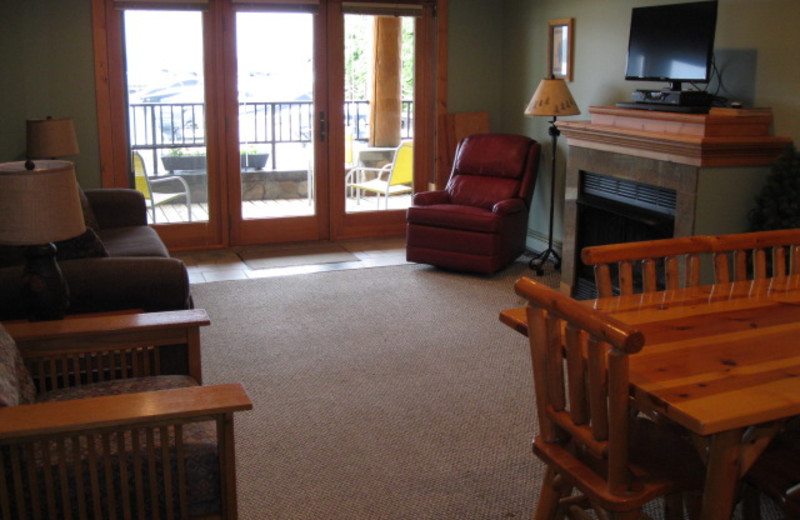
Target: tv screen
(672, 43)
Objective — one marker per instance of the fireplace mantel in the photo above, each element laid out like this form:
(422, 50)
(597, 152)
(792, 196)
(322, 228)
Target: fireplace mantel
(715, 163)
(724, 137)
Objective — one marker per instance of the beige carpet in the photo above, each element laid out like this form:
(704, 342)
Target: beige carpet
(270, 257)
(385, 393)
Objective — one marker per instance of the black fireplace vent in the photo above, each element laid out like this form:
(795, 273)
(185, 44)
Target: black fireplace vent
(647, 196)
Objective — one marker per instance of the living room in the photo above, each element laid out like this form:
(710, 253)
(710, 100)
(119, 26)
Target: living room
(496, 58)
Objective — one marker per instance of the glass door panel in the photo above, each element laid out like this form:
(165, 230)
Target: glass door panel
(167, 113)
(276, 113)
(379, 107)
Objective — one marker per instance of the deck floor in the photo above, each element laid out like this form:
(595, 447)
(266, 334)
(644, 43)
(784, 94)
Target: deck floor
(177, 213)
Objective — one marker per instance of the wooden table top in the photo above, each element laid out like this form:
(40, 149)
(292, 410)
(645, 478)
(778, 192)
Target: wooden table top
(716, 357)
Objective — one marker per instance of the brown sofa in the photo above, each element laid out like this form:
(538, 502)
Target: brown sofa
(127, 268)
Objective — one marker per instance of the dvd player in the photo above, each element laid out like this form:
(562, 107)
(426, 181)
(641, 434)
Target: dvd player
(695, 98)
(684, 109)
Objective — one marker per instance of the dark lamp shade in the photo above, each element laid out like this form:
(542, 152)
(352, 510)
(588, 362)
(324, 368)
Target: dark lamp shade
(41, 205)
(552, 98)
(51, 138)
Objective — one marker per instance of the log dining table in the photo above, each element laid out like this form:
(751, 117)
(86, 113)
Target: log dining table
(722, 361)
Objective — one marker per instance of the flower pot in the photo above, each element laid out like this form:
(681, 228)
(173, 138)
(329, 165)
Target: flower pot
(184, 162)
(256, 161)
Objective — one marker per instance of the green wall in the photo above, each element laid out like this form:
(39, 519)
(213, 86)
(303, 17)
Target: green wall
(496, 59)
(757, 44)
(46, 51)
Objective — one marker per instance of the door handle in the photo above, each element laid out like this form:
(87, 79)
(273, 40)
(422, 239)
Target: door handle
(323, 126)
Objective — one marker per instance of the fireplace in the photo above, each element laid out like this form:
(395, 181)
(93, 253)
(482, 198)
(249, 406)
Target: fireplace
(638, 175)
(611, 211)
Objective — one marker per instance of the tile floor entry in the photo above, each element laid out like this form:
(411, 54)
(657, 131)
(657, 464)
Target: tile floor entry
(227, 264)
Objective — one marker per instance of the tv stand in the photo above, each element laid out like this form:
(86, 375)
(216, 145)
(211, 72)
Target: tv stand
(662, 107)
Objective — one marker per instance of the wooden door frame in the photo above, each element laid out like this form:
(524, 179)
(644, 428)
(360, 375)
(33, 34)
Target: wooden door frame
(112, 132)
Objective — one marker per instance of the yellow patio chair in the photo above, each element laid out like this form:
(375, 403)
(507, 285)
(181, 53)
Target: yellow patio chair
(145, 184)
(393, 179)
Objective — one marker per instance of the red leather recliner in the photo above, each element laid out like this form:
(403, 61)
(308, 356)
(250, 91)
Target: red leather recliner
(478, 223)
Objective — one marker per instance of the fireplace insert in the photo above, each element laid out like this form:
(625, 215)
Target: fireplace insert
(612, 210)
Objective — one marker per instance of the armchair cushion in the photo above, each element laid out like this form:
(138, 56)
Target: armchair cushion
(454, 216)
(16, 385)
(118, 387)
(481, 192)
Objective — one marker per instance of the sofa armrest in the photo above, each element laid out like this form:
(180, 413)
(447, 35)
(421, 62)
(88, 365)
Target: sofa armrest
(117, 207)
(165, 406)
(429, 198)
(508, 206)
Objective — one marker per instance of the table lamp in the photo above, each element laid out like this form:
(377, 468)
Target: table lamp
(552, 98)
(50, 138)
(40, 206)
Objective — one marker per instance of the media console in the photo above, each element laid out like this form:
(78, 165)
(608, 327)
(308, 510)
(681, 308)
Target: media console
(694, 173)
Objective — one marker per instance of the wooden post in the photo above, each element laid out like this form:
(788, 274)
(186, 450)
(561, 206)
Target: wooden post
(384, 124)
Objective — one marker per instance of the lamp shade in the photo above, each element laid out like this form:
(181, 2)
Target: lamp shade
(50, 138)
(39, 206)
(552, 98)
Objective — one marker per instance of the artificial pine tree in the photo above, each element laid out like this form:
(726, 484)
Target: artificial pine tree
(778, 204)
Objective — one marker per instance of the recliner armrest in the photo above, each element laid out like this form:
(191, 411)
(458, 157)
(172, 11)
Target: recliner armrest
(508, 206)
(428, 198)
(117, 207)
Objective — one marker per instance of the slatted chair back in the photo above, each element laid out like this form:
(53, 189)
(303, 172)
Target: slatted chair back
(646, 266)
(756, 255)
(581, 378)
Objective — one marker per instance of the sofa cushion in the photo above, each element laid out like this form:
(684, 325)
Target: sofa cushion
(132, 241)
(16, 385)
(85, 245)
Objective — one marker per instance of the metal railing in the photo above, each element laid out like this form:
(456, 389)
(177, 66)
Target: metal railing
(170, 128)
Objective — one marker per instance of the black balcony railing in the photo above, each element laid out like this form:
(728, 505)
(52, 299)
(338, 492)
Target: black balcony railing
(163, 128)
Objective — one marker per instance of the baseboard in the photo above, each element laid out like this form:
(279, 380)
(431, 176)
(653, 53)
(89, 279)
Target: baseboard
(536, 242)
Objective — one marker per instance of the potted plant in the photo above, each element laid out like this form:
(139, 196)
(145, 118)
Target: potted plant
(250, 157)
(184, 159)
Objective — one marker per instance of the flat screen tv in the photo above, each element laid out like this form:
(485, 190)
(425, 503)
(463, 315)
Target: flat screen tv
(673, 43)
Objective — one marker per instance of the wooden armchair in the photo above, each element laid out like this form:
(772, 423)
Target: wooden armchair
(103, 417)
(589, 438)
(646, 266)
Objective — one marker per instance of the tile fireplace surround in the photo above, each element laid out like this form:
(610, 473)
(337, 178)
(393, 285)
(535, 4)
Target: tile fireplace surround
(715, 163)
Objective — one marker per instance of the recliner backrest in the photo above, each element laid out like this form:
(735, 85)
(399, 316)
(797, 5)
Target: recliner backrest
(489, 168)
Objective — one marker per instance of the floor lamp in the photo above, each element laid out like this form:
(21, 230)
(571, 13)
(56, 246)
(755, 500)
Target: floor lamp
(552, 98)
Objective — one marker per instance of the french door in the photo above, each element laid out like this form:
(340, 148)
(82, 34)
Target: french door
(255, 121)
